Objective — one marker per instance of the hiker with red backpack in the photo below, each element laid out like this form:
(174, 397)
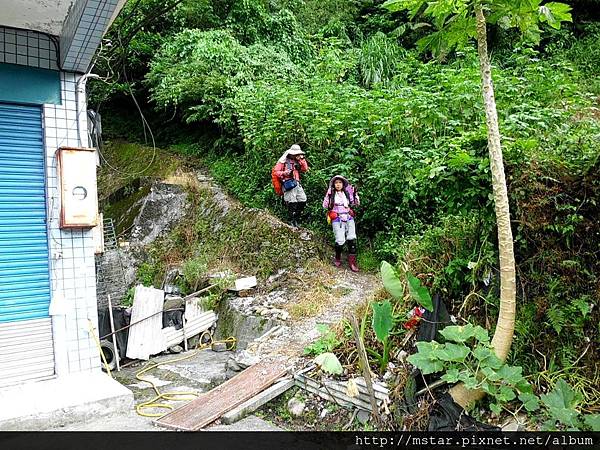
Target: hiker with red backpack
(339, 199)
(286, 181)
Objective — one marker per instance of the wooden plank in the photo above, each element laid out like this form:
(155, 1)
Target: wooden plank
(257, 401)
(146, 337)
(235, 391)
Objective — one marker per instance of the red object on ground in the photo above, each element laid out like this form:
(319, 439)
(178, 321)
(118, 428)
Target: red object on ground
(415, 317)
(352, 262)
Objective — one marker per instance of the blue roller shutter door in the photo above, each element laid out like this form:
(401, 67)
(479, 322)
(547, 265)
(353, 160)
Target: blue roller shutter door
(26, 350)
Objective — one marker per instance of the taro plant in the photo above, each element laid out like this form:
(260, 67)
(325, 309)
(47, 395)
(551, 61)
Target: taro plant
(383, 312)
(467, 356)
(383, 323)
(394, 286)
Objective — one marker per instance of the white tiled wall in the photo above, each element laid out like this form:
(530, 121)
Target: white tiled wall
(72, 251)
(83, 31)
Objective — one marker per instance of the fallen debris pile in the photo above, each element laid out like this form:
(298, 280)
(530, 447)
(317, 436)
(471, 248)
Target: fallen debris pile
(155, 323)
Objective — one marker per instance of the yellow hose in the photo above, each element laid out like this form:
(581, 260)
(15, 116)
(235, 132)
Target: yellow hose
(174, 396)
(93, 333)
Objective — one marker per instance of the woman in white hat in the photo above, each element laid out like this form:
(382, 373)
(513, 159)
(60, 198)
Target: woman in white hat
(287, 172)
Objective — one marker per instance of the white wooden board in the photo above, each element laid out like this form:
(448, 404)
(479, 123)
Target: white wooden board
(146, 338)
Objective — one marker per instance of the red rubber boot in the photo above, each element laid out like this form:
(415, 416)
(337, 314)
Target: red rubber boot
(337, 262)
(352, 262)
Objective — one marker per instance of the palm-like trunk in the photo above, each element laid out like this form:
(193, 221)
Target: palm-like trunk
(506, 318)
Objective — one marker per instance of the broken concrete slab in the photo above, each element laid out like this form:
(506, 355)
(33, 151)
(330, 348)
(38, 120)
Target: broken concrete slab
(236, 319)
(205, 370)
(245, 283)
(245, 359)
(201, 372)
(129, 421)
(257, 401)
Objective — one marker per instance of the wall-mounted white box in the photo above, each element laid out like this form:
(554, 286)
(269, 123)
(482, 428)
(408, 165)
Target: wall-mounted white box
(78, 190)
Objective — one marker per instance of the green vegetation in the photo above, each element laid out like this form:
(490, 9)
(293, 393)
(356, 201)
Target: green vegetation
(218, 236)
(234, 83)
(468, 357)
(327, 343)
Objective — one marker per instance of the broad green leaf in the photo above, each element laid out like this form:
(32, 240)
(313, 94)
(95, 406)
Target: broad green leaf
(390, 279)
(496, 409)
(451, 376)
(561, 403)
(490, 374)
(489, 387)
(458, 333)
(425, 364)
(506, 394)
(400, 5)
(382, 319)
(429, 348)
(510, 374)
(481, 334)
(452, 352)
(329, 363)
(487, 357)
(549, 425)
(470, 381)
(554, 13)
(524, 387)
(530, 401)
(592, 421)
(418, 292)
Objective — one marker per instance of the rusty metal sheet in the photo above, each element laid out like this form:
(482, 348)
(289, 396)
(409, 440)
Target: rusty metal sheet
(210, 406)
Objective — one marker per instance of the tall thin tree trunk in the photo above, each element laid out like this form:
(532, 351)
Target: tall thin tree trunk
(506, 318)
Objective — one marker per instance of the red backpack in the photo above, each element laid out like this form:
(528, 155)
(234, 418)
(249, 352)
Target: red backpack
(275, 180)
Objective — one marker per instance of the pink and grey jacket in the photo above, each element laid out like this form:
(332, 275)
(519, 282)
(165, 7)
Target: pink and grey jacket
(343, 212)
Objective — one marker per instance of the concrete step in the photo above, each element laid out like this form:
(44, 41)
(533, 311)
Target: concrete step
(63, 400)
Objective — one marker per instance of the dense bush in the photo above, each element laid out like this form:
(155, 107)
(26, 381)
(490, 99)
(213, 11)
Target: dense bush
(200, 71)
(411, 134)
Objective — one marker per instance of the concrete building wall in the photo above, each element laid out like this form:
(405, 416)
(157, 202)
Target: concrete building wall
(72, 270)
